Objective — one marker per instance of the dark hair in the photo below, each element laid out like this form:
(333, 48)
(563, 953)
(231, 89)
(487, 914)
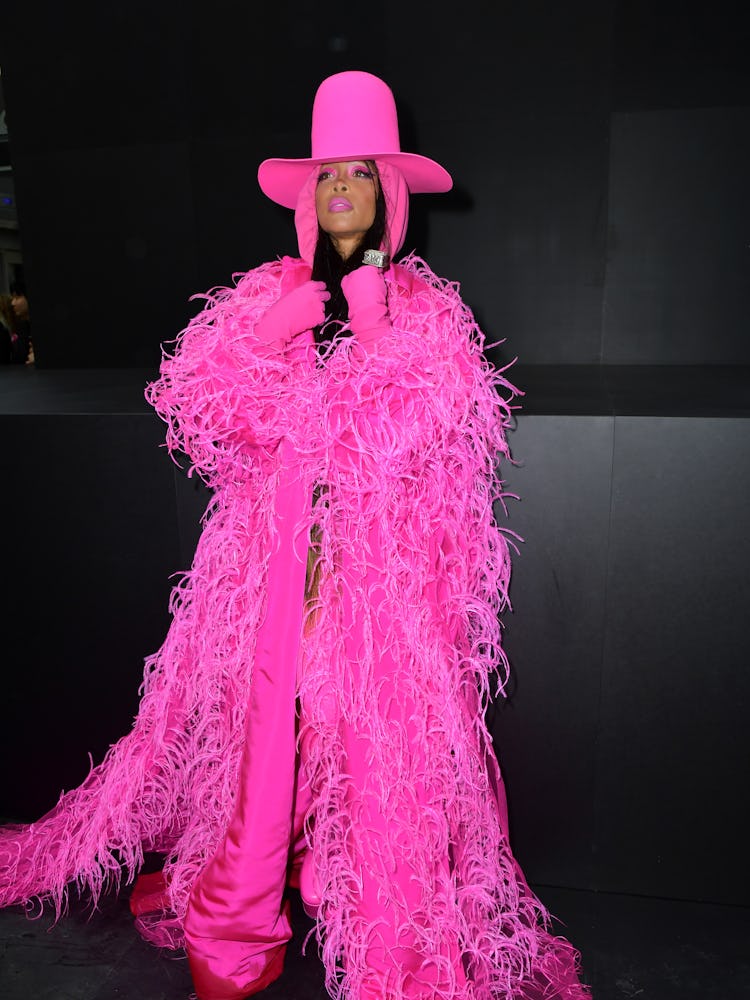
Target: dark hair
(18, 288)
(330, 267)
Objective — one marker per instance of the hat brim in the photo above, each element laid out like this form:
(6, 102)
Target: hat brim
(282, 180)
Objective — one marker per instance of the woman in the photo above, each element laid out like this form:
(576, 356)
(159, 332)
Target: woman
(15, 331)
(315, 714)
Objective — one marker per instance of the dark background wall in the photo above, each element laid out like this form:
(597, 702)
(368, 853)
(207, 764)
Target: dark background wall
(599, 223)
(600, 152)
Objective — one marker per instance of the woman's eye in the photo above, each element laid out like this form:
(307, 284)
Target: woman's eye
(324, 175)
(362, 172)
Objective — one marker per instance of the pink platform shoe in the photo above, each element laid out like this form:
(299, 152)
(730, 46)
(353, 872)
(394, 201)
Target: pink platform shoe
(308, 886)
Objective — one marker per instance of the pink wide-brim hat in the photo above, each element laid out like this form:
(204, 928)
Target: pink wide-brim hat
(354, 118)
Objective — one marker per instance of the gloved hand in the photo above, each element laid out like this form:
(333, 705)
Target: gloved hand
(365, 292)
(301, 309)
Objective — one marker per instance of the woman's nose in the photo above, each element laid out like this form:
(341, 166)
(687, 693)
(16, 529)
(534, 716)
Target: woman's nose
(340, 182)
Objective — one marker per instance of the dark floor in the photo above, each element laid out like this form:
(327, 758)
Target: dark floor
(632, 947)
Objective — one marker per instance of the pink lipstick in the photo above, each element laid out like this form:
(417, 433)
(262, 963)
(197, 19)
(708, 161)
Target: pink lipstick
(339, 205)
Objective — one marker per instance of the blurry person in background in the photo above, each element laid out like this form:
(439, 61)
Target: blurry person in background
(8, 335)
(23, 352)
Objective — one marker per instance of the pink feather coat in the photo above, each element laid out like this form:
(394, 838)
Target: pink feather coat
(351, 726)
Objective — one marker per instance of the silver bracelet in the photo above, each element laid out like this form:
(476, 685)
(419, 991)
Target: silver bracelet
(376, 257)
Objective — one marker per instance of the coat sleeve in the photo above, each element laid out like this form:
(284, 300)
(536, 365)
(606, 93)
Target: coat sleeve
(417, 432)
(426, 391)
(222, 391)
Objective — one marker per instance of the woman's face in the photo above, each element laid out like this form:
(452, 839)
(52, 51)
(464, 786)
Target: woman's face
(345, 202)
(20, 305)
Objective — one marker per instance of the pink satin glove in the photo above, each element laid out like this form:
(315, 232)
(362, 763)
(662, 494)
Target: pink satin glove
(365, 292)
(302, 309)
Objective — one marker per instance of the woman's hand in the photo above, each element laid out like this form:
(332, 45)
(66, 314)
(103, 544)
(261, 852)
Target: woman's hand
(365, 292)
(302, 309)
